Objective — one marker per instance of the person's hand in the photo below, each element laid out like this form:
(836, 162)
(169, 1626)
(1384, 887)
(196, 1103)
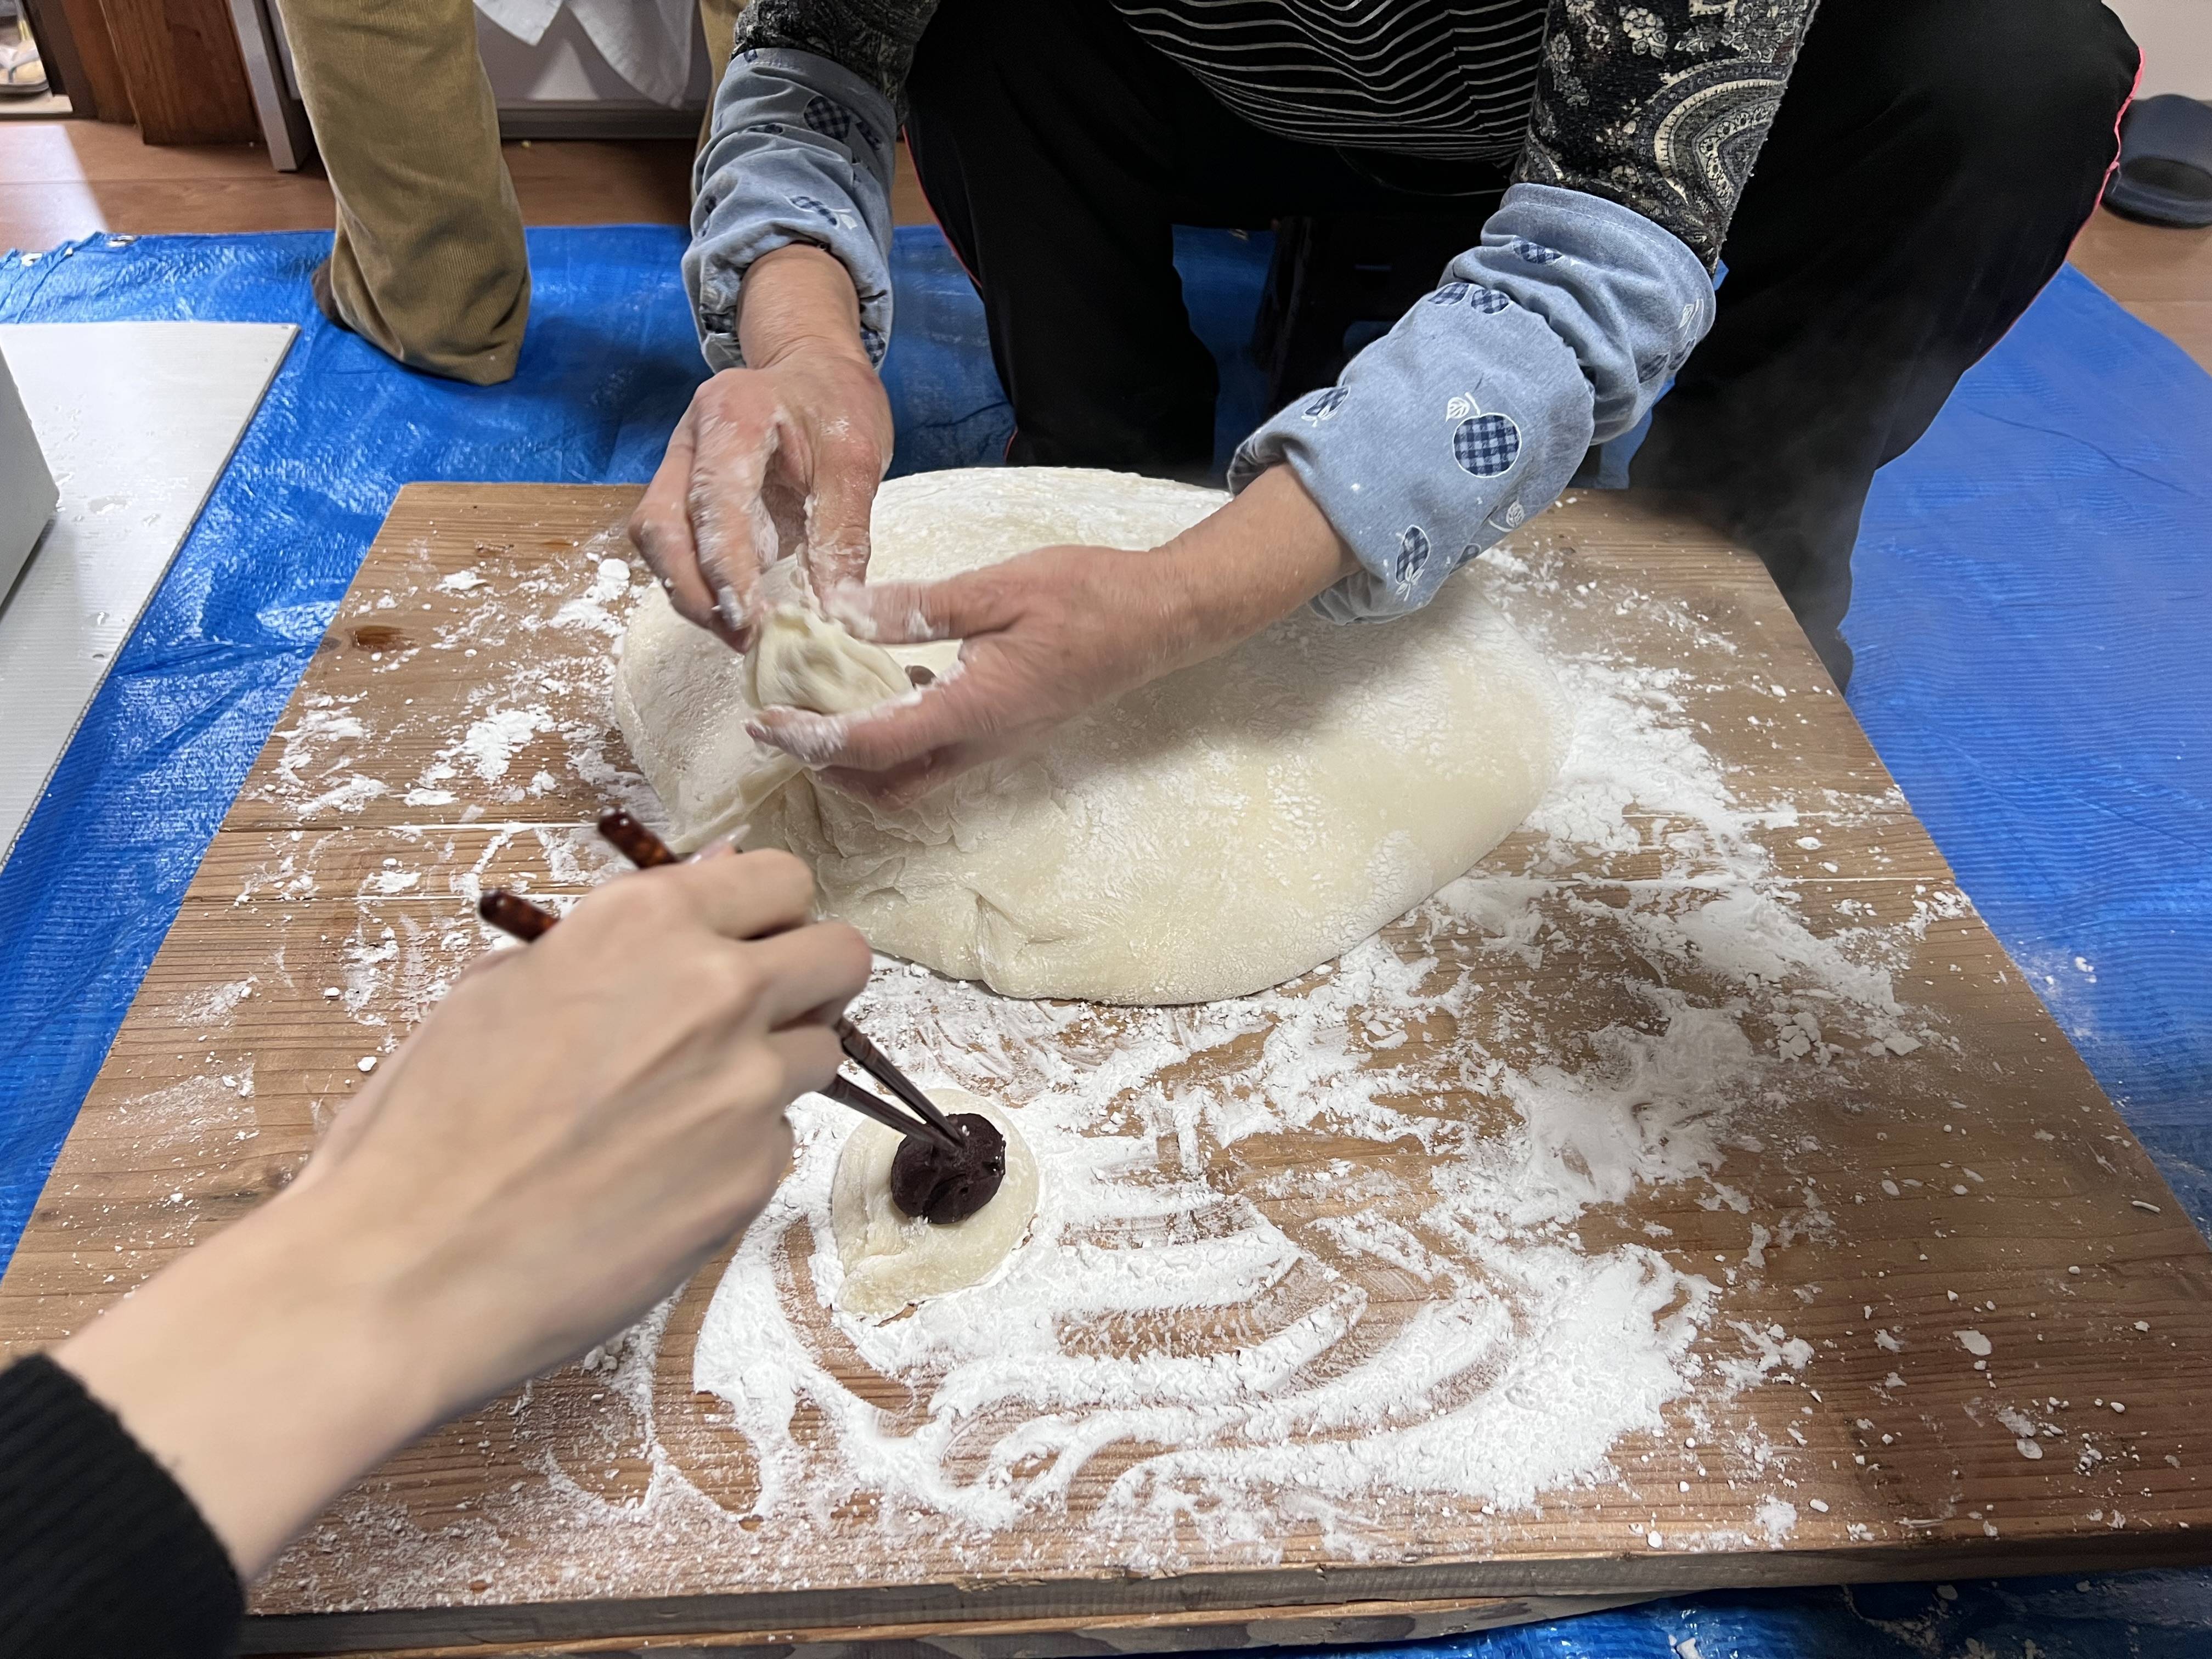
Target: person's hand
(778, 461)
(576, 1129)
(1049, 633)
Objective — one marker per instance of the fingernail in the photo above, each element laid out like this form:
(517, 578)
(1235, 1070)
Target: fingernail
(722, 845)
(727, 607)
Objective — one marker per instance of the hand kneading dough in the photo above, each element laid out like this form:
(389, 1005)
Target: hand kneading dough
(892, 1258)
(1207, 835)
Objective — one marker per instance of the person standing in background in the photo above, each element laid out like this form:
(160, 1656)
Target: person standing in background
(429, 264)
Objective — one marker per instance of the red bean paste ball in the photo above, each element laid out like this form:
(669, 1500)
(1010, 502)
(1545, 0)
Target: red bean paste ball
(934, 1181)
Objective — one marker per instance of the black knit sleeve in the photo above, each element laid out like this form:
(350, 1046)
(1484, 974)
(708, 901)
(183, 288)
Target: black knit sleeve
(102, 1553)
(873, 38)
(1661, 105)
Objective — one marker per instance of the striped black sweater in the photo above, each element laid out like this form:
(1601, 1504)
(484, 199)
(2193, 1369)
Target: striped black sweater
(1659, 105)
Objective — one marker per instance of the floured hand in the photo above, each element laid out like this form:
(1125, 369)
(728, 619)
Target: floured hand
(1051, 632)
(779, 460)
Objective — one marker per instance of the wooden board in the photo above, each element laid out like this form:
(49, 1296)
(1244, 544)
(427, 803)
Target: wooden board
(453, 732)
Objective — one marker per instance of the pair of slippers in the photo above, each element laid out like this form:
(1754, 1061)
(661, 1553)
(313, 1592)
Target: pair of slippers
(2164, 174)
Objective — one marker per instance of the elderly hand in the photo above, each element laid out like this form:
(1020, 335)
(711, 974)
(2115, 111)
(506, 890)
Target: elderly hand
(780, 459)
(1051, 632)
(575, 1130)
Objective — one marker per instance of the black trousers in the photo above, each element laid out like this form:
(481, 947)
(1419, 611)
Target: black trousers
(1930, 164)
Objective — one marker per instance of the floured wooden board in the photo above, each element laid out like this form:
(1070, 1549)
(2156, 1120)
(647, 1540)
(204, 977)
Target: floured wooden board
(1692, 1195)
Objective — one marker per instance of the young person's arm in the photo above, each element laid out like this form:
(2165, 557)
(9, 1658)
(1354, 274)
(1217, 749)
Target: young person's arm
(576, 1129)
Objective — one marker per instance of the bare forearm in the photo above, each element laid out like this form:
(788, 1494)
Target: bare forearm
(797, 298)
(262, 1386)
(1255, 561)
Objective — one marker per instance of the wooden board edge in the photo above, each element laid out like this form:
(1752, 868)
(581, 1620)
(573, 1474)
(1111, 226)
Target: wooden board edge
(788, 1622)
(1335, 1624)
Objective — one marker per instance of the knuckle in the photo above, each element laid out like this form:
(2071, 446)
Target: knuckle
(784, 874)
(758, 1079)
(734, 978)
(846, 952)
(649, 536)
(639, 902)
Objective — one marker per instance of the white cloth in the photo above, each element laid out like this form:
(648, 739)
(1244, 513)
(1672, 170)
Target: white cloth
(647, 42)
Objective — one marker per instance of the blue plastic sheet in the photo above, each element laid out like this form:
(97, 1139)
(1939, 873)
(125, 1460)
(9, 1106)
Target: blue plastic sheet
(2033, 622)
(99, 870)
(2033, 579)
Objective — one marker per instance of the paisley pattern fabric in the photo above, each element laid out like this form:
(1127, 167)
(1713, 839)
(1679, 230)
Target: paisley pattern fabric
(873, 38)
(1661, 105)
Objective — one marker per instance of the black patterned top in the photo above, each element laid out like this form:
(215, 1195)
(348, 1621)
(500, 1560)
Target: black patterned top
(1660, 105)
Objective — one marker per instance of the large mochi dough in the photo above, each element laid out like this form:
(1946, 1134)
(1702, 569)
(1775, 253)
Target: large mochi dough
(1207, 835)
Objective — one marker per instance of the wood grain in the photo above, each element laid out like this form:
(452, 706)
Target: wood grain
(1982, 1180)
(80, 55)
(2161, 274)
(180, 60)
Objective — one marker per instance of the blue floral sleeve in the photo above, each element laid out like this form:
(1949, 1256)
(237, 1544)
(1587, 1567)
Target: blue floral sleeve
(1472, 414)
(801, 152)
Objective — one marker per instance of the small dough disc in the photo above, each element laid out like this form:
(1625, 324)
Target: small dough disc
(892, 1258)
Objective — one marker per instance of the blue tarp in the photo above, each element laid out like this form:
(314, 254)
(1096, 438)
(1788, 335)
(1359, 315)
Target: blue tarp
(2033, 625)
(2033, 579)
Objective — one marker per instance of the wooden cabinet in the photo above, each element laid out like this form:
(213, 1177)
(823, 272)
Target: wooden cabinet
(171, 65)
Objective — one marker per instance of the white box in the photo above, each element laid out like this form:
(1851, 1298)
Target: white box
(28, 496)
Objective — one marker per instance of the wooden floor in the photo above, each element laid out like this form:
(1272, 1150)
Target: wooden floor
(60, 180)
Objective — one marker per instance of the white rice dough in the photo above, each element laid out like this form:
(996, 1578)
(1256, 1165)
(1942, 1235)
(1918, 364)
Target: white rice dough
(1207, 835)
(892, 1260)
(805, 660)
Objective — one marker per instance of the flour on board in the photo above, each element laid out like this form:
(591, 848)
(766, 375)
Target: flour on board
(1177, 1296)
(1201, 1281)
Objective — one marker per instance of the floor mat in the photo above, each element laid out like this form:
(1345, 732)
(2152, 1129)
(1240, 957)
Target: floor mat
(2033, 581)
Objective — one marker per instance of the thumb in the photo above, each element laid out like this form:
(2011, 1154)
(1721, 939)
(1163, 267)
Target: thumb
(841, 495)
(892, 734)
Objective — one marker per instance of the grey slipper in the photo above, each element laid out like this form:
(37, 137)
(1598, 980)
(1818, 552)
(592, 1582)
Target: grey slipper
(2164, 173)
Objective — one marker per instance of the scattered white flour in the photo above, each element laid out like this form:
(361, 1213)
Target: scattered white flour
(1306, 1262)
(355, 793)
(216, 1002)
(491, 742)
(609, 586)
(1193, 1352)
